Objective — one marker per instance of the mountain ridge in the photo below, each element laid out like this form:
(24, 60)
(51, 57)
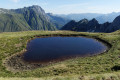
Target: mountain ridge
(101, 18)
(35, 18)
(85, 25)
(27, 18)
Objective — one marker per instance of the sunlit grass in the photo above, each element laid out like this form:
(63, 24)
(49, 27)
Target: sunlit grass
(14, 42)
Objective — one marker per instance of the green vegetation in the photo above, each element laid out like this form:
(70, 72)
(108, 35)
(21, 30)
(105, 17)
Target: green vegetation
(17, 22)
(24, 19)
(103, 66)
(108, 76)
(36, 18)
(13, 22)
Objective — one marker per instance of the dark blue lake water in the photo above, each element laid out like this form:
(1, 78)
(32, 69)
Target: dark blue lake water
(49, 49)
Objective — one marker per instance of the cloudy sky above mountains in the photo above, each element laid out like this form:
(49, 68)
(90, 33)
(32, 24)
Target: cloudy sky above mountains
(66, 6)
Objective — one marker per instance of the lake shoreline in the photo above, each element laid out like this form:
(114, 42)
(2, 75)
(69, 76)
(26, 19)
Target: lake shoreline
(15, 63)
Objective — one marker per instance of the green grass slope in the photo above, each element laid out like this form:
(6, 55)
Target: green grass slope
(89, 68)
(36, 19)
(12, 23)
(24, 19)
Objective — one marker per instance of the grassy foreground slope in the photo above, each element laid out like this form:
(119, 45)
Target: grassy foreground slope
(102, 66)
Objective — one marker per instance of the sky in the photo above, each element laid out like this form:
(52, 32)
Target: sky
(66, 6)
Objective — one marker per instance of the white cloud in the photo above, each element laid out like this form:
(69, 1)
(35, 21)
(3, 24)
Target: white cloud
(15, 1)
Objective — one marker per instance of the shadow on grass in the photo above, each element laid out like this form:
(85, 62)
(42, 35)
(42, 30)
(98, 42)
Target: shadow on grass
(116, 68)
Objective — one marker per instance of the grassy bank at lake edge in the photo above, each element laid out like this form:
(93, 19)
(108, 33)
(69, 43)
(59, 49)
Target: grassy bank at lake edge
(14, 42)
(105, 76)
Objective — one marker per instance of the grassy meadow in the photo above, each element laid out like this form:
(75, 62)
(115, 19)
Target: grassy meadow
(105, 66)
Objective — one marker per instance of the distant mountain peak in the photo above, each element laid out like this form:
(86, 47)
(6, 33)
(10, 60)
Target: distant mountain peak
(37, 8)
(115, 25)
(83, 20)
(4, 10)
(72, 21)
(93, 21)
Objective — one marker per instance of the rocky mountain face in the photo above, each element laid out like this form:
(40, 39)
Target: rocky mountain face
(36, 18)
(72, 26)
(104, 27)
(83, 25)
(115, 25)
(28, 18)
(92, 26)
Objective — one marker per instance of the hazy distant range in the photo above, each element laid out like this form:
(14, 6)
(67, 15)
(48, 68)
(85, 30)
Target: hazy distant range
(101, 18)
